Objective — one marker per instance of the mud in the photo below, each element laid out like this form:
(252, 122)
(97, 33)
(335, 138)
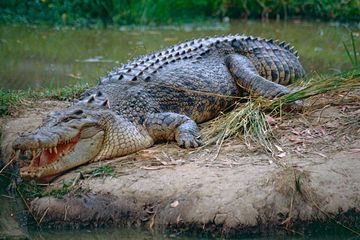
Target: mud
(314, 176)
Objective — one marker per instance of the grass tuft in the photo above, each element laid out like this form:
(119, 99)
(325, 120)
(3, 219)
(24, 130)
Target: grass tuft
(319, 85)
(61, 191)
(245, 120)
(29, 188)
(249, 120)
(7, 99)
(103, 171)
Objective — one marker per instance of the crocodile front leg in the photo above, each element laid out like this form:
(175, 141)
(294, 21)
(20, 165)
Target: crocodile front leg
(246, 76)
(173, 126)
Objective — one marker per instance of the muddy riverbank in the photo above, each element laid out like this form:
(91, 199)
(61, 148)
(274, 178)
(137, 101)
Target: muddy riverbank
(313, 177)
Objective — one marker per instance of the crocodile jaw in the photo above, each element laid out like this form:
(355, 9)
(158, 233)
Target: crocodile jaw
(48, 163)
(74, 137)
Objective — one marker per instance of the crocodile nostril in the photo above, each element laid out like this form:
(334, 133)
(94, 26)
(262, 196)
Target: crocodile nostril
(78, 112)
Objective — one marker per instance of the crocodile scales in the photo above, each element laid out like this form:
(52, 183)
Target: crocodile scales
(159, 96)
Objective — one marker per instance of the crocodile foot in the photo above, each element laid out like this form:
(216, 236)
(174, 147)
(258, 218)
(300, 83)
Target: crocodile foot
(297, 106)
(188, 140)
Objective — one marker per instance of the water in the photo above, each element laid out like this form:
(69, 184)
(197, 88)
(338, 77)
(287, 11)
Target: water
(146, 235)
(40, 57)
(8, 227)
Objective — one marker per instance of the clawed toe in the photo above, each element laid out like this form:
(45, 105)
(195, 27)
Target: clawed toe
(297, 106)
(189, 142)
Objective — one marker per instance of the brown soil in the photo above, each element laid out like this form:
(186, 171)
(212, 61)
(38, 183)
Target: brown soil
(314, 175)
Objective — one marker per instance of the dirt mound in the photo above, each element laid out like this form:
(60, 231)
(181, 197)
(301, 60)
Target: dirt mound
(314, 175)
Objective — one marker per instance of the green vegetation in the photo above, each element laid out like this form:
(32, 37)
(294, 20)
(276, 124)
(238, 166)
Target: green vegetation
(29, 189)
(7, 99)
(12, 98)
(103, 171)
(61, 191)
(124, 12)
(352, 53)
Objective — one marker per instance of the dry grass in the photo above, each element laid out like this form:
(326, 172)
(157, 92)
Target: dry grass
(319, 85)
(245, 120)
(249, 120)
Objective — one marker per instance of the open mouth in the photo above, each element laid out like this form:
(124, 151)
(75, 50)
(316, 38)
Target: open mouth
(46, 163)
(46, 156)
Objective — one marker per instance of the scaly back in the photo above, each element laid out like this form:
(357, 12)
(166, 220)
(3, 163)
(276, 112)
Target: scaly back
(278, 62)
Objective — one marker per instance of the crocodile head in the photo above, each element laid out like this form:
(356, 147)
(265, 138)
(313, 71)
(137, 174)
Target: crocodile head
(73, 137)
(65, 140)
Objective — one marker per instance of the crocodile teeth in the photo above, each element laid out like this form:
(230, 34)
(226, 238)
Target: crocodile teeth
(33, 153)
(55, 150)
(50, 150)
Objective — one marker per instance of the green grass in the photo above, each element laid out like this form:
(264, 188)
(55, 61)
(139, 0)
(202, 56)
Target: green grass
(29, 189)
(61, 191)
(7, 99)
(12, 98)
(124, 12)
(103, 171)
(352, 53)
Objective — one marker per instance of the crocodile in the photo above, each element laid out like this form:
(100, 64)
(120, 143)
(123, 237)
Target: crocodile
(160, 96)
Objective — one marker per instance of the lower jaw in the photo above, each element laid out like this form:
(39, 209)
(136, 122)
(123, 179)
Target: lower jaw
(33, 175)
(46, 179)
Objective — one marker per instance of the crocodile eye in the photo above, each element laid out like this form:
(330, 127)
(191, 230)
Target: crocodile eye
(67, 119)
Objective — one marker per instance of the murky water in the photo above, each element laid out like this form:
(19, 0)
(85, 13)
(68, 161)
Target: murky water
(132, 234)
(46, 57)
